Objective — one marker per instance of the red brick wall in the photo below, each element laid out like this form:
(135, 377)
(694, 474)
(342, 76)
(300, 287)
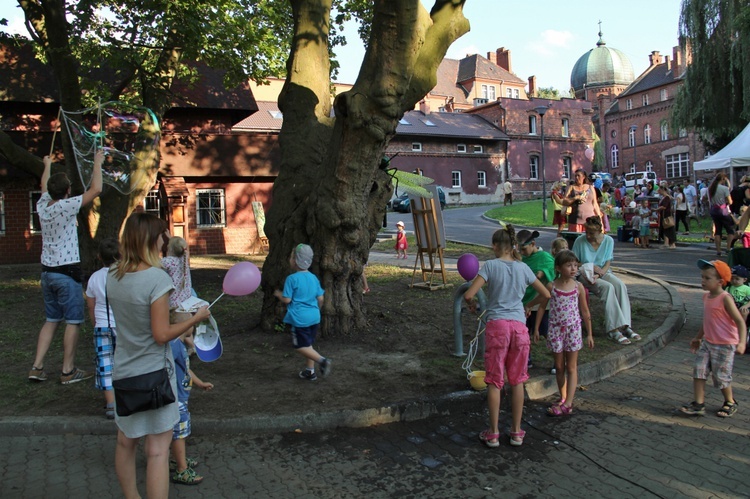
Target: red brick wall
(18, 244)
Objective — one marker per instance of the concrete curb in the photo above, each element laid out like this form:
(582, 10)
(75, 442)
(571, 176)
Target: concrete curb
(537, 388)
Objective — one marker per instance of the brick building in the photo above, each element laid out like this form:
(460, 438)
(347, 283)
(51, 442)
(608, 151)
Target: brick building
(209, 173)
(567, 134)
(636, 128)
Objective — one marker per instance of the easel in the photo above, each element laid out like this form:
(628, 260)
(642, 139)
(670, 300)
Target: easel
(430, 242)
(260, 223)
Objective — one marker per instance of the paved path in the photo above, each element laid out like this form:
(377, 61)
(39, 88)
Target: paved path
(625, 440)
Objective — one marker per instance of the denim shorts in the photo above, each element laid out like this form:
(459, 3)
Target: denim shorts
(303, 337)
(63, 298)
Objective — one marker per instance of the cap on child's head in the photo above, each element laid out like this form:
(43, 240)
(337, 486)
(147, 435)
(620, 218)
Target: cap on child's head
(303, 256)
(399, 224)
(740, 271)
(725, 273)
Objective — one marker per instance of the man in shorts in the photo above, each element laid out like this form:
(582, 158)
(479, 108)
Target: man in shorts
(61, 267)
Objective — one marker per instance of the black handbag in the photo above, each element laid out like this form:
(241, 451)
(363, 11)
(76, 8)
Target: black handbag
(144, 392)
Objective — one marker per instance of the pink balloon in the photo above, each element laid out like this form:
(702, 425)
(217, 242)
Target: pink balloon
(589, 153)
(468, 266)
(242, 279)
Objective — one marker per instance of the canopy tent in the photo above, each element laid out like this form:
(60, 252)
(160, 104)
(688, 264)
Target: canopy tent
(735, 154)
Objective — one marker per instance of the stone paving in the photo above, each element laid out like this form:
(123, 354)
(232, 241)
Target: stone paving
(625, 439)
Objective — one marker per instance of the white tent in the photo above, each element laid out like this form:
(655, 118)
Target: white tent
(735, 154)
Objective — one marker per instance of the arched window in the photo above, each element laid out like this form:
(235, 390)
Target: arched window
(664, 131)
(534, 167)
(631, 137)
(615, 156)
(647, 134)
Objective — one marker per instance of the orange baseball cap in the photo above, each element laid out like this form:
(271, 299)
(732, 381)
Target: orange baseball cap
(725, 273)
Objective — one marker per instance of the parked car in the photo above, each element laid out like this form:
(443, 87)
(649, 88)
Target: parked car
(606, 177)
(403, 203)
(633, 178)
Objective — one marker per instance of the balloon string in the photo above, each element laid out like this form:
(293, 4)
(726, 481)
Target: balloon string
(212, 304)
(54, 132)
(99, 122)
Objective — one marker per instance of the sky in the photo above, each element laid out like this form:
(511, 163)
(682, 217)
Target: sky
(545, 37)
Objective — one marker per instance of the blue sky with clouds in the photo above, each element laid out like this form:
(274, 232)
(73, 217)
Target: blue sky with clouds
(545, 37)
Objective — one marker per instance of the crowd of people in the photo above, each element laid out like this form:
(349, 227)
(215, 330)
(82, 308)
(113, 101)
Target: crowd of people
(142, 334)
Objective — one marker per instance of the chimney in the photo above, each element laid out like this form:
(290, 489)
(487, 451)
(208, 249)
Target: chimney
(503, 59)
(424, 107)
(667, 62)
(532, 86)
(677, 61)
(654, 58)
(492, 57)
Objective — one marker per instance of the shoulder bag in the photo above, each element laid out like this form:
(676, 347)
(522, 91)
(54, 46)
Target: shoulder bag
(144, 392)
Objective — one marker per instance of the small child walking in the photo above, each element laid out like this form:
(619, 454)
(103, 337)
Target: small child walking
(105, 336)
(181, 466)
(722, 334)
(567, 309)
(645, 213)
(303, 296)
(507, 338)
(401, 243)
(635, 223)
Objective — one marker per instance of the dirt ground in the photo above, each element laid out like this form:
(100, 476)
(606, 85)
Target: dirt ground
(404, 353)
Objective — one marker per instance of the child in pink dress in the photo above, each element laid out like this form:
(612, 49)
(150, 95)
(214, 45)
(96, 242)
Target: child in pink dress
(568, 308)
(401, 243)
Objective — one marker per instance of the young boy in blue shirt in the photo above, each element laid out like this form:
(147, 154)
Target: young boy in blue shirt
(182, 466)
(303, 296)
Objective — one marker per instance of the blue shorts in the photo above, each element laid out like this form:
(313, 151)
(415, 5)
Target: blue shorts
(303, 337)
(63, 298)
(104, 345)
(183, 427)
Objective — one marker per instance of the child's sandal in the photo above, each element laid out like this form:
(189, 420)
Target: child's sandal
(187, 477)
(487, 438)
(560, 410)
(727, 410)
(516, 438)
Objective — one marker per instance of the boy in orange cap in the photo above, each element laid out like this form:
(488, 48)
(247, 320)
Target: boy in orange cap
(722, 334)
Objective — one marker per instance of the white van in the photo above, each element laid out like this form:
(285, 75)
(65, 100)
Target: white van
(639, 178)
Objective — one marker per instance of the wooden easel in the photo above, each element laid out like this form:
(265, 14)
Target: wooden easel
(428, 244)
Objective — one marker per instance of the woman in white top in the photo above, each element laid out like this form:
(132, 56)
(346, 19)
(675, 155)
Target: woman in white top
(719, 201)
(138, 292)
(681, 210)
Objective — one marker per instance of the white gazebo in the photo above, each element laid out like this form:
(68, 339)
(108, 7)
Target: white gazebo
(736, 154)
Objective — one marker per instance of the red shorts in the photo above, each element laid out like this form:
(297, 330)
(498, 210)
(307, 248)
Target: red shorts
(506, 351)
(558, 218)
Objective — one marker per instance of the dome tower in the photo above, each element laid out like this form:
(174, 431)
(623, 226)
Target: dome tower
(601, 70)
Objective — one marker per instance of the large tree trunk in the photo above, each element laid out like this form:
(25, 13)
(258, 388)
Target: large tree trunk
(330, 192)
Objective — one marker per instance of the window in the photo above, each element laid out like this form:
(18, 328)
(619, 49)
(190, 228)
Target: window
(614, 156)
(34, 224)
(513, 93)
(644, 99)
(632, 167)
(631, 137)
(2, 212)
(565, 127)
(460, 147)
(664, 131)
(663, 94)
(481, 178)
(647, 134)
(683, 133)
(416, 146)
(532, 125)
(516, 95)
(534, 167)
(567, 164)
(629, 104)
(678, 165)
(151, 203)
(488, 92)
(649, 166)
(210, 209)
(478, 149)
(456, 178)
(510, 93)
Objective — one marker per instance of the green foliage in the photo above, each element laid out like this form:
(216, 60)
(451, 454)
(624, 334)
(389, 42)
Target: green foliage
(715, 97)
(548, 93)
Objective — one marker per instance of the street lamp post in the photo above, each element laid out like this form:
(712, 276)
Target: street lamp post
(633, 128)
(541, 110)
